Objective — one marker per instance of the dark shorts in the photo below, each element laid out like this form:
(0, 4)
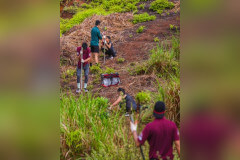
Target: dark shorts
(95, 49)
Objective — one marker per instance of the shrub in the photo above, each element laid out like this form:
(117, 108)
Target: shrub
(70, 9)
(140, 29)
(80, 17)
(95, 69)
(86, 6)
(143, 97)
(116, 9)
(109, 70)
(120, 60)
(130, 7)
(160, 5)
(156, 39)
(142, 6)
(143, 18)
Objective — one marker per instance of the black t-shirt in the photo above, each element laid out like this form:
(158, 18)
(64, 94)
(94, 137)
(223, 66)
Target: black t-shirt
(130, 102)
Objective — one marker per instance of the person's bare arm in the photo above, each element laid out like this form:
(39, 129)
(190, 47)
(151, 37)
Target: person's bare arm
(135, 136)
(88, 59)
(177, 144)
(116, 102)
(109, 45)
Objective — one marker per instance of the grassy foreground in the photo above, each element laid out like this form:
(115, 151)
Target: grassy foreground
(90, 131)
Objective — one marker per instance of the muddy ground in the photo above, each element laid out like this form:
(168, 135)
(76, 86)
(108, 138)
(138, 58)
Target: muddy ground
(135, 49)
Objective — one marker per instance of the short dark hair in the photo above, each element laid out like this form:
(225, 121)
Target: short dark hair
(109, 37)
(84, 45)
(97, 22)
(121, 90)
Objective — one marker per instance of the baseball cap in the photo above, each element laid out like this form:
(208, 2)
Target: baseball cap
(159, 109)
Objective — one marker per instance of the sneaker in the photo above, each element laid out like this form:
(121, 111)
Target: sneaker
(111, 58)
(85, 89)
(78, 90)
(127, 115)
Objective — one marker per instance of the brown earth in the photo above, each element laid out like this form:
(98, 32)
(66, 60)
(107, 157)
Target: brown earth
(134, 49)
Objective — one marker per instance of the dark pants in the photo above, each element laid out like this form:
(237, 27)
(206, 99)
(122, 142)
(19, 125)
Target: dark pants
(109, 52)
(86, 72)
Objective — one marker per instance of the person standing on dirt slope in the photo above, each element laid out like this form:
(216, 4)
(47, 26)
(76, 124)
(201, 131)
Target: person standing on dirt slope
(85, 61)
(95, 36)
(160, 134)
(109, 50)
(129, 101)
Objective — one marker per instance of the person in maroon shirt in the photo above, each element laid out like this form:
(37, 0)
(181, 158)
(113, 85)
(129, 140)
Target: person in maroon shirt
(85, 61)
(160, 134)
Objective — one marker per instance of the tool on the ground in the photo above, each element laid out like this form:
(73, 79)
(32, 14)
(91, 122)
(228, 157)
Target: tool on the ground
(132, 120)
(81, 52)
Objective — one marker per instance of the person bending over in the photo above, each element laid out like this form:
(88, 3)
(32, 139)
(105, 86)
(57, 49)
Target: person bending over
(160, 134)
(85, 61)
(130, 103)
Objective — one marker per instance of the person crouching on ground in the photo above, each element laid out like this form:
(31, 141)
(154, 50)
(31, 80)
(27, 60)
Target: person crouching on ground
(160, 134)
(85, 61)
(129, 101)
(109, 50)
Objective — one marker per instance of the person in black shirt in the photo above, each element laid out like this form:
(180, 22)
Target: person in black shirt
(130, 102)
(109, 50)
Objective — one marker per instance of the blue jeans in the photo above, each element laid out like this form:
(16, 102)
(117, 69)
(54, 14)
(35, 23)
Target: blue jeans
(86, 72)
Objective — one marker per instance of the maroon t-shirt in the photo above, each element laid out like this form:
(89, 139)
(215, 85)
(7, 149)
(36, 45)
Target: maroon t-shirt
(160, 134)
(86, 55)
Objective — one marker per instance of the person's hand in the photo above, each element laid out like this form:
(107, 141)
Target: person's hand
(104, 37)
(133, 126)
(105, 42)
(82, 61)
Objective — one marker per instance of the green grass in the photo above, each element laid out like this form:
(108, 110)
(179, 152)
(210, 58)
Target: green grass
(120, 60)
(140, 29)
(67, 24)
(142, 6)
(163, 61)
(138, 18)
(70, 9)
(160, 5)
(88, 128)
(143, 97)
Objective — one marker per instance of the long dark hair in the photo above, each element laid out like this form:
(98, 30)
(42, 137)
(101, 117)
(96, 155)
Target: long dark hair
(84, 45)
(121, 90)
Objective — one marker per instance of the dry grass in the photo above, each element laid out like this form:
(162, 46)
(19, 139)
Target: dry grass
(113, 25)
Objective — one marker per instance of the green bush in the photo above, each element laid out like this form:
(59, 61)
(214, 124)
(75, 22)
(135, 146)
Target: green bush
(80, 17)
(120, 60)
(142, 6)
(109, 70)
(130, 7)
(143, 98)
(86, 6)
(95, 69)
(160, 5)
(140, 29)
(143, 18)
(156, 39)
(70, 9)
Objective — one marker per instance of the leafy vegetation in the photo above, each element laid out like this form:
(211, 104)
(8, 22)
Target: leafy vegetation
(156, 39)
(140, 29)
(160, 5)
(95, 69)
(70, 9)
(138, 18)
(142, 6)
(143, 97)
(67, 24)
(162, 61)
(120, 60)
(109, 70)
